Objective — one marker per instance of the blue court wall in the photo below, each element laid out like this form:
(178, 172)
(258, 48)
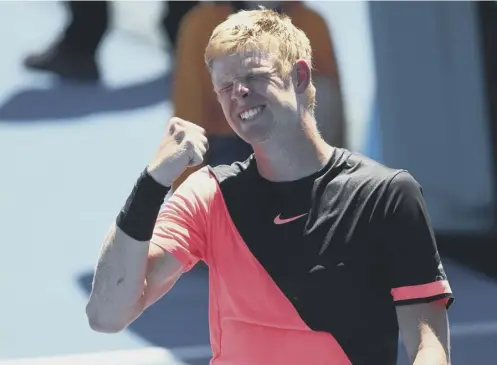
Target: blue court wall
(429, 113)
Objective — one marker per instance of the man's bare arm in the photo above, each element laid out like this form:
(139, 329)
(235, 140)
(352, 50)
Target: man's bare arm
(425, 332)
(131, 273)
(129, 276)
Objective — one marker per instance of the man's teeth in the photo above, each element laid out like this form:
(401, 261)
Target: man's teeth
(251, 113)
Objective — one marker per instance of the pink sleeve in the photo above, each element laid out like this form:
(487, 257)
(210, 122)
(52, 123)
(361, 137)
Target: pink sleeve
(181, 227)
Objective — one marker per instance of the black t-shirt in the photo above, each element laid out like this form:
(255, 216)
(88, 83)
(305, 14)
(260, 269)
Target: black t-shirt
(345, 246)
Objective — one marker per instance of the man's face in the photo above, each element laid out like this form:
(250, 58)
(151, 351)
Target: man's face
(255, 99)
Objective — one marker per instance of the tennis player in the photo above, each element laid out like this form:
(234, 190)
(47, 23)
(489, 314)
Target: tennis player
(316, 255)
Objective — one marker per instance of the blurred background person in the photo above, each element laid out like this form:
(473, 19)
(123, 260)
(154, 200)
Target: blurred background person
(194, 100)
(73, 55)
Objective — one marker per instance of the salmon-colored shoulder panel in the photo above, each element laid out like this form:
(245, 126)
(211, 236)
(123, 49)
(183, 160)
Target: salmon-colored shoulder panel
(250, 319)
(182, 225)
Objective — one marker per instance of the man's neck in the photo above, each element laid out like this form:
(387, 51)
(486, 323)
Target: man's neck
(293, 157)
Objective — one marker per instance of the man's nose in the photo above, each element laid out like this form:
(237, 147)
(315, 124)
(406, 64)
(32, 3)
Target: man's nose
(240, 91)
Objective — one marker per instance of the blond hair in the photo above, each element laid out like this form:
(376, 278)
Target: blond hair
(262, 30)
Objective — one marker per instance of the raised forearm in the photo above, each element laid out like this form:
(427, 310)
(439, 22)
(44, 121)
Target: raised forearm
(119, 282)
(118, 285)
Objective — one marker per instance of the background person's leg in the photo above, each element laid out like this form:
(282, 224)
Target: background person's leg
(89, 23)
(73, 55)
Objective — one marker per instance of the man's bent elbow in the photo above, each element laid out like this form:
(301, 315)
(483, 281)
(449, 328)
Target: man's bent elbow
(105, 324)
(105, 327)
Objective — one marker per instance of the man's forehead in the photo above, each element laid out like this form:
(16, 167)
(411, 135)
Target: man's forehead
(233, 65)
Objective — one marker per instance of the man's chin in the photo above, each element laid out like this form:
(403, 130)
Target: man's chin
(256, 135)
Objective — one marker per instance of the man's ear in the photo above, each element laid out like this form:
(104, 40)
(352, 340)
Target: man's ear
(302, 72)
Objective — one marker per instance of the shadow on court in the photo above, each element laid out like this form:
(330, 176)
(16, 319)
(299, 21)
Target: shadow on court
(178, 319)
(67, 100)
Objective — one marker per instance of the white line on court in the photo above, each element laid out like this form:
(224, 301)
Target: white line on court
(474, 329)
(145, 356)
(177, 356)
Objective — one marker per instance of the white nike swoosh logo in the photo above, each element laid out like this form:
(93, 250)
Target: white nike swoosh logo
(279, 220)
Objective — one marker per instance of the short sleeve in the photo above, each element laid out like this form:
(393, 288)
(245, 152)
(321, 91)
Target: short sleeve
(414, 267)
(181, 226)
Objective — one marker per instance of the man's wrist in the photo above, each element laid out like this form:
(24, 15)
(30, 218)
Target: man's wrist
(139, 214)
(164, 181)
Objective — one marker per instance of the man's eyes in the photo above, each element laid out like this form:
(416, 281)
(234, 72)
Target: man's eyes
(251, 77)
(257, 76)
(226, 89)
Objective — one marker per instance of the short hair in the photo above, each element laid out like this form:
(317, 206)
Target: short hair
(262, 30)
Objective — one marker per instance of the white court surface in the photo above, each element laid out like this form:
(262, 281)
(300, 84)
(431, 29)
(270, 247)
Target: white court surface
(69, 156)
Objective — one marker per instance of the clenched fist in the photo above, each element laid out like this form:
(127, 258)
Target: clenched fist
(184, 145)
